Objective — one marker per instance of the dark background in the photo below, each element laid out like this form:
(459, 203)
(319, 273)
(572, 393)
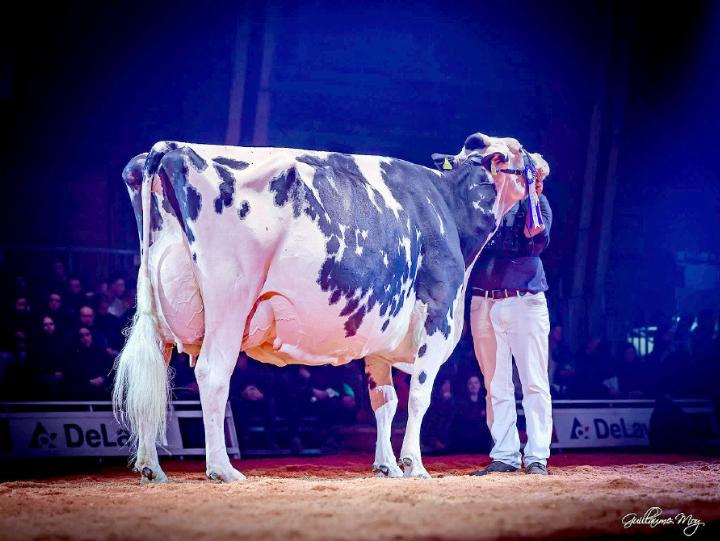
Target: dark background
(620, 98)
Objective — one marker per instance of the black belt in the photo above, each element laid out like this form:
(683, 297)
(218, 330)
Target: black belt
(500, 293)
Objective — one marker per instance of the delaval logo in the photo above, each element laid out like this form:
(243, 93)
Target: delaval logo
(579, 431)
(617, 429)
(41, 438)
(76, 436)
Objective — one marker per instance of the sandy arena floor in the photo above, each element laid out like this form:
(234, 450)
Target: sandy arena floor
(336, 498)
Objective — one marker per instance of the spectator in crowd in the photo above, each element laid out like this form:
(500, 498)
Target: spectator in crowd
(55, 309)
(16, 331)
(118, 305)
(595, 371)
(185, 385)
(439, 418)
(252, 397)
(16, 324)
(74, 296)
(86, 318)
(560, 365)
(322, 394)
(469, 432)
(109, 325)
(672, 371)
(633, 375)
(58, 276)
(46, 362)
(88, 369)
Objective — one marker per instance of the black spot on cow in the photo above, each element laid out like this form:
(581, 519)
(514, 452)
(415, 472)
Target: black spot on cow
(422, 350)
(422, 377)
(194, 256)
(333, 245)
(238, 165)
(244, 209)
(371, 383)
(345, 212)
(422, 195)
(196, 160)
(385, 325)
(156, 155)
(183, 200)
(133, 175)
(227, 188)
(370, 233)
(156, 220)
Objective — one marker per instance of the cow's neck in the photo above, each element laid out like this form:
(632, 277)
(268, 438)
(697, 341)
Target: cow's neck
(478, 204)
(475, 227)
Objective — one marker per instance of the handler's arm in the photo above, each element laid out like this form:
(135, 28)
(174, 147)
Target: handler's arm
(537, 244)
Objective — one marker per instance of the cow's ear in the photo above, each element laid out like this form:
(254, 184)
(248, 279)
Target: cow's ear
(444, 162)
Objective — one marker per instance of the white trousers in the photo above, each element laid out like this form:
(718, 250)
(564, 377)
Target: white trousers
(519, 327)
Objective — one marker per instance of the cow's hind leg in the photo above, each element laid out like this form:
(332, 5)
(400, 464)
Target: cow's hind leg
(383, 400)
(215, 365)
(421, 384)
(147, 462)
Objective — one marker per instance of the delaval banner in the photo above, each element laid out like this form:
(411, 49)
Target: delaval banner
(601, 427)
(62, 429)
(81, 433)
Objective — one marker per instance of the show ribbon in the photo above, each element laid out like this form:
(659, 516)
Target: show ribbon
(534, 220)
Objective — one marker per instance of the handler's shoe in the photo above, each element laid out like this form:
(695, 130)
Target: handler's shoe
(495, 467)
(536, 468)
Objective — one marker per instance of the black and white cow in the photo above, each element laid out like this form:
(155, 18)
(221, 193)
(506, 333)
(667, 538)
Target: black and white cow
(308, 257)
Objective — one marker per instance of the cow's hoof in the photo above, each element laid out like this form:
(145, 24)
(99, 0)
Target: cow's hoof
(231, 475)
(150, 475)
(413, 469)
(387, 470)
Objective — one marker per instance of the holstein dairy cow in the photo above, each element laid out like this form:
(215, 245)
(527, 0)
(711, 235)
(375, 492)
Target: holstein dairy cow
(308, 257)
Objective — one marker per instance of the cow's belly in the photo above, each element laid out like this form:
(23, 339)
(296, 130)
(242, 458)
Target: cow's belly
(293, 321)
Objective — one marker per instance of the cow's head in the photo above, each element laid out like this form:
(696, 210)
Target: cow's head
(487, 178)
(502, 158)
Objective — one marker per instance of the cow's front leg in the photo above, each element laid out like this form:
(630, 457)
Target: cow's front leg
(421, 384)
(383, 400)
(213, 370)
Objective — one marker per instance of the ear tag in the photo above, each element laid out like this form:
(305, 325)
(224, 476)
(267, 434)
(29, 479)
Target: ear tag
(493, 169)
(447, 165)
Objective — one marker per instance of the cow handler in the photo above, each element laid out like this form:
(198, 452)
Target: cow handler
(509, 318)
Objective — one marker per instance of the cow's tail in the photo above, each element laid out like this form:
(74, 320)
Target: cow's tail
(142, 386)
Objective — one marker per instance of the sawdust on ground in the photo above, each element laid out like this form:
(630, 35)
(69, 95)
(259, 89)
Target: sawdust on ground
(305, 501)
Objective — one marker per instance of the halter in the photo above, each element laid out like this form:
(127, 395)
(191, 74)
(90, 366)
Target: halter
(529, 173)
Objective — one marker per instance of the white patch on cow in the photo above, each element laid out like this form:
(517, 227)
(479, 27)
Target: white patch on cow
(371, 197)
(385, 261)
(364, 233)
(307, 174)
(384, 455)
(370, 168)
(359, 250)
(405, 243)
(437, 214)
